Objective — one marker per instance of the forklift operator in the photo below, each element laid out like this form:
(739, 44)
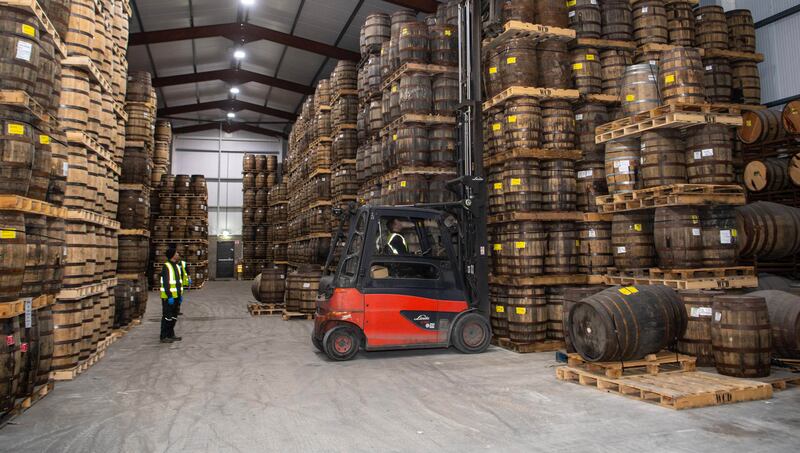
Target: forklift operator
(396, 243)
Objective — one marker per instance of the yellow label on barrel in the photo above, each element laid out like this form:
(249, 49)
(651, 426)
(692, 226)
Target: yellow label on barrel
(571, 3)
(402, 183)
(637, 227)
(749, 123)
(512, 119)
(496, 127)
(448, 32)
(733, 232)
(16, 129)
(500, 309)
(498, 186)
(44, 139)
(28, 30)
(516, 182)
(669, 78)
(628, 290)
(493, 70)
(404, 32)
(240, 268)
(519, 245)
(394, 137)
(630, 98)
(511, 60)
(521, 310)
(577, 243)
(394, 88)
(695, 219)
(577, 66)
(590, 57)
(498, 247)
(8, 234)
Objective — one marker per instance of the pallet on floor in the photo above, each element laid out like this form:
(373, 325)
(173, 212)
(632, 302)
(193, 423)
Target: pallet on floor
(674, 390)
(672, 195)
(71, 373)
(781, 379)
(526, 348)
(663, 361)
(287, 315)
(266, 309)
(669, 117)
(23, 404)
(687, 279)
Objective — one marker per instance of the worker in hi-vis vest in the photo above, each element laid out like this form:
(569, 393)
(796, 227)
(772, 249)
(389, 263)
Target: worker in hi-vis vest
(396, 243)
(172, 277)
(186, 283)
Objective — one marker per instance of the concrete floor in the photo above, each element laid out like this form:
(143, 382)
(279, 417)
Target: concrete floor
(249, 384)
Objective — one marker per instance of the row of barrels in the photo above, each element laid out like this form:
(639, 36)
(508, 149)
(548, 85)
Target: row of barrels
(262, 216)
(183, 206)
(772, 174)
(262, 252)
(130, 299)
(80, 325)
(768, 125)
(409, 189)
(33, 250)
(297, 289)
(260, 163)
(194, 185)
(26, 355)
(410, 145)
(180, 228)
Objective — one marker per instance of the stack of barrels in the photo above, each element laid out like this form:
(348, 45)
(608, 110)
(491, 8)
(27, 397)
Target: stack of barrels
(772, 175)
(181, 223)
(409, 74)
(259, 179)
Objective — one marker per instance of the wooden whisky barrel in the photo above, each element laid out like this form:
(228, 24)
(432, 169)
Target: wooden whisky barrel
(761, 126)
(791, 117)
(632, 241)
(719, 236)
(553, 69)
(678, 237)
(595, 254)
(134, 210)
(133, 254)
(163, 131)
(562, 249)
(269, 286)
(523, 123)
(770, 174)
(585, 18)
(493, 82)
(623, 158)
(518, 63)
(746, 83)
(768, 231)
(416, 94)
(697, 339)
(249, 162)
(522, 185)
(559, 185)
(442, 145)
(681, 23)
(36, 255)
(13, 249)
(741, 336)
(571, 296)
(496, 190)
(498, 311)
(412, 145)
(558, 125)
(344, 76)
(639, 89)
(345, 145)
(555, 312)
(527, 313)
(794, 169)
(718, 80)
(587, 70)
(712, 27)
(663, 158)
(67, 333)
(377, 30)
(301, 289)
(591, 183)
(16, 152)
(650, 24)
(414, 45)
(44, 319)
(587, 118)
(741, 30)
(139, 86)
(519, 10)
(445, 94)
(784, 318)
(613, 64)
(11, 358)
(20, 61)
(56, 239)
(626, 323)
(682, 76)
(183, 184)
(709, 155)
(198, 185)
(553, 13)
(444, 45)
(521, 249)
(617, 20)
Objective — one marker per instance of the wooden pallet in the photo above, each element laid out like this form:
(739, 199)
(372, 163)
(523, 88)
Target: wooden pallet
(533, 153)
(279, 202)
(688, 274)
(676, 390)
(23, 404)
(343, 126)
(652, 364)
(432, 171)
(25, 205)
(781, 380)
(526, 348)
(541, 93)
(80, 138)
(144, 233)
(427, 120)
(318, 204)
(548, 216)
(535, 32)
(338, 93)
(179, 241)
(733, 282)
(16, 308)
(669, 117)
(143, 189)
(34, 7)
(87, 64)
(608, 99)
(672, 195)
(604, 44)
(287, 315)
(181, 195)
(540, 280)
(72, 373)
(319, 172)
(417, 67)
(22, 100)
(83, 292)
(266, 309)
(82, 215)
(733, 55)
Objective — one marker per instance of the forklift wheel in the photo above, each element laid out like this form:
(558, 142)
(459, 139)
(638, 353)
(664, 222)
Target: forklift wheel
(317, 343)
(472, 334)
(341, 343)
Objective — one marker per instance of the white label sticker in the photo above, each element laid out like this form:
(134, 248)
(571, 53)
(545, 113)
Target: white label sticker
(306, 285)
(579, 117)
(572, 14)
(621, 250)
(624, 167)
(717, 316)
(708, 152)
(695, 231)
(698, 155)
(28, 313)
(585, 174)
(644, 10)
(725, 237)
(709, 68)
(592, 233)
(24, 50)
(697, 312)
(65, 168)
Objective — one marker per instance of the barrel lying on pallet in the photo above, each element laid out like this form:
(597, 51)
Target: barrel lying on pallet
(741, 336)
(573, 296)
(270, 285)
(626, 323)
(784, 317)
(771, 174)
(768, 231)
(761, 126)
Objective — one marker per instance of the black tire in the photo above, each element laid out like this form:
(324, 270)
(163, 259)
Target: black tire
(317, 343)
(472, 334)
(341, 343)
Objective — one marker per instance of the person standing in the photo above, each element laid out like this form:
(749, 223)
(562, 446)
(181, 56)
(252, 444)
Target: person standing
(171, 295)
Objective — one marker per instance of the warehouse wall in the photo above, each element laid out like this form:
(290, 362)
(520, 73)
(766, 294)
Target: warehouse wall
(219, 158)
(778, 42)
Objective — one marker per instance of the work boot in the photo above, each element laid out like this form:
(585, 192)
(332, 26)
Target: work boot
(176, 338)
(167, 340)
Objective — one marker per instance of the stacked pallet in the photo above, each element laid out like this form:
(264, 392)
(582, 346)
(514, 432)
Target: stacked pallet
(181, 223)
(259, 179)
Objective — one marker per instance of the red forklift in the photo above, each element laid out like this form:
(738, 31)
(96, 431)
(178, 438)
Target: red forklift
(434, 293)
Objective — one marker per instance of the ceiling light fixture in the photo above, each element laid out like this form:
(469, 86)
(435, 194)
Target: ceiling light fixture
(235, 90)
(239, 54)
(231, 115)
(248, 2)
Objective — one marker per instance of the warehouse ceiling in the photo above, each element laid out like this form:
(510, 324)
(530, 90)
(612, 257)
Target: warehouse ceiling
(188, 46)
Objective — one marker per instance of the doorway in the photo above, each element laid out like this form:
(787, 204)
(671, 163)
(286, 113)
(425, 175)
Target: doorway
(225, 259)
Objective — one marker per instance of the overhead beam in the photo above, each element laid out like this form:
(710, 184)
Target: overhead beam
(426, 6)
(242, 33)
(229, 105)
(233, 76)
(227, 127)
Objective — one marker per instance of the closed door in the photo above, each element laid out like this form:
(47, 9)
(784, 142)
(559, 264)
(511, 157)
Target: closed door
(225, 259)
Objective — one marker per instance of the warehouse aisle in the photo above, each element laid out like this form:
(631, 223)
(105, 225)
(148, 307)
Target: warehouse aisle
(243, 384)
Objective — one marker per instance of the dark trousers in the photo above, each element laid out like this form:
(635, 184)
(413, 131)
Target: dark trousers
(168, 319)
